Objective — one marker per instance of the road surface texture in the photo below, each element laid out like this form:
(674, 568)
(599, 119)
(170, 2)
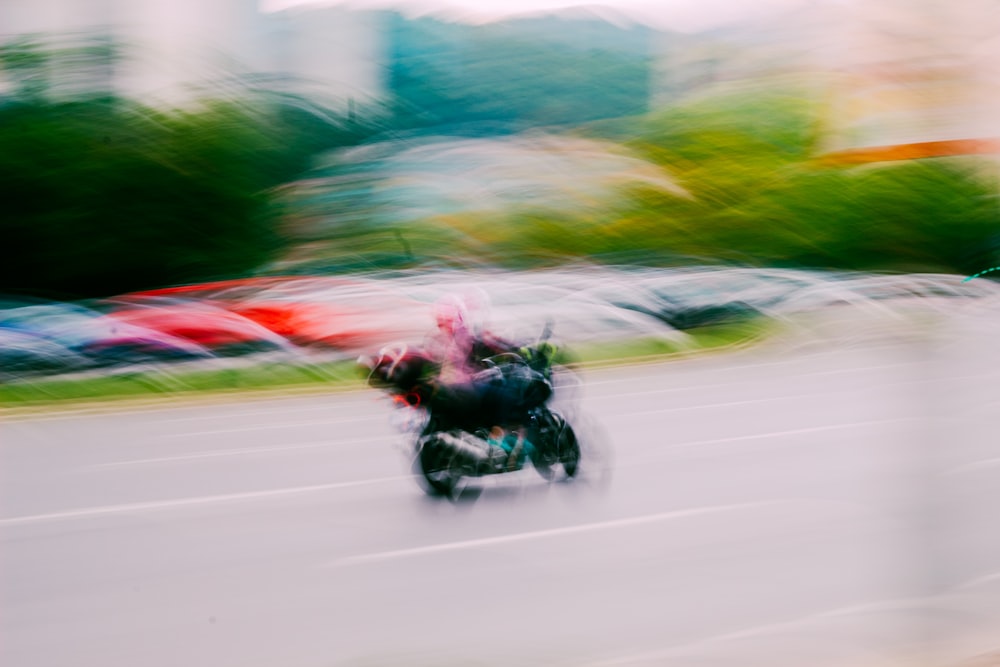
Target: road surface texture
(824, 501)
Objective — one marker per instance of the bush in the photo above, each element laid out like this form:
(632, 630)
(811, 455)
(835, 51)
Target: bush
(762, 198)
(102, 196)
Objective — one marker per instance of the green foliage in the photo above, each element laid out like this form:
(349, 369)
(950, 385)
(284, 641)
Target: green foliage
(174, 384)
(761, 198)
(102, 196)
(776, 124)
(907, 216)
(25, 61)
(758, 196)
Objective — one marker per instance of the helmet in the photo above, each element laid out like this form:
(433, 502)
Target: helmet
(451, 314)
(477, 308)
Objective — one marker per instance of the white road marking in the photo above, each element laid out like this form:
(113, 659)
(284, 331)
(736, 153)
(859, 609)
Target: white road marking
(666, 449)
(845, 390)
(330, 443)
(727, 404)
(738, 367)
(188, 502)
(973, 467)
(238, 452)
(772, 434)
(380, 414)
(902, 604)
(548, 533)
(985, 580)
(273, 425)
(165, 404)
(335, 404)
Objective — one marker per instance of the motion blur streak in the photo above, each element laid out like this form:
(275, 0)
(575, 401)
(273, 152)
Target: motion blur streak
(684, 313)
(543, 534)
(860, 545)
(187, 502)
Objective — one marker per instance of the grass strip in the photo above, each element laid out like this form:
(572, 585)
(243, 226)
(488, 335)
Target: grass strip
(171, 383)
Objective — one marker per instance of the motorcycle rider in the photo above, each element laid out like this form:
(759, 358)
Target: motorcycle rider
(463, 340)
(464, 382)
(479, 395)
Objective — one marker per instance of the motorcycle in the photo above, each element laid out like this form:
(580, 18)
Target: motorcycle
(453, 442)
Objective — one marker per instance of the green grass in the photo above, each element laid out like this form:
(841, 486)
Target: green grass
(703, 339)
(167, 384)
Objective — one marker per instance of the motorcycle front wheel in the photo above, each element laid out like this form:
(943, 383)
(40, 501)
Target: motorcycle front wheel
(558, 445)
(569, 450)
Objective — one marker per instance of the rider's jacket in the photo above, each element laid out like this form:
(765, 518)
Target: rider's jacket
(460, 355)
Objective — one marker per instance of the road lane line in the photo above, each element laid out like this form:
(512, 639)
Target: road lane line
(548, 533)
(755, 436)
(890, 605)
(188, 502)
(666, 450)
(782, 397)
(727, 404)
(909, 604)
(330, 443)
(164, 404)
(796, 431)
(236, 452)
(332, 405)
(985, 580)
(381, 415)
(258, 427)
(973, 467)
(732, 368)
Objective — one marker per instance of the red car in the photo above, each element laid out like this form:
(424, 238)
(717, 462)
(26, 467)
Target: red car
(328, 312)
(217, 329)
(337, 324)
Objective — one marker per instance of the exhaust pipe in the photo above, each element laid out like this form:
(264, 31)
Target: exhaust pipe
(467, 453)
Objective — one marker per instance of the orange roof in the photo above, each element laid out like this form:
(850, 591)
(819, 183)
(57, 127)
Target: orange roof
(914, 151)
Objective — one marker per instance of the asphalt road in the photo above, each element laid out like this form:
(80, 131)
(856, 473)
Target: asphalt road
(831, 503)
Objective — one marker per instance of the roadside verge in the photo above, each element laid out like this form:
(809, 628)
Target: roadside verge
(144, 388)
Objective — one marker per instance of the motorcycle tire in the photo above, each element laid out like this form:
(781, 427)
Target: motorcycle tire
(432, 466)
(540, 431)
(560, 446)
(569, 451)
(544, 469)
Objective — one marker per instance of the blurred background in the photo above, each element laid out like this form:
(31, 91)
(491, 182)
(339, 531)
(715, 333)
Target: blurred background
(151, 145)
(214, 195)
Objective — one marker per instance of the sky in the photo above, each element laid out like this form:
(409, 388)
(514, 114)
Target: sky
(668, 14)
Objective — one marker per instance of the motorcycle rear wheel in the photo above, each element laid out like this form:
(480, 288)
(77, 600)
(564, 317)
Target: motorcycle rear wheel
(432, 466)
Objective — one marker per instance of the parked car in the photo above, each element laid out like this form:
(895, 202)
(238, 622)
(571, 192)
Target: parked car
(25, 354)
(102, 340)
(694, 298)
(216, 329)
(348, 316)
